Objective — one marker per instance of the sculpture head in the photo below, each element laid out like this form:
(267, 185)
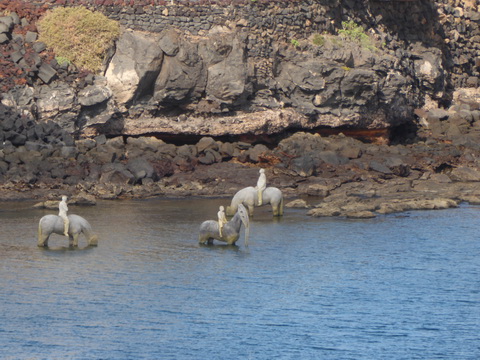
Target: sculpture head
(261, 171)
(64, 198)
(93, 241)
(230, 211)
(222, 208)
(243, 212)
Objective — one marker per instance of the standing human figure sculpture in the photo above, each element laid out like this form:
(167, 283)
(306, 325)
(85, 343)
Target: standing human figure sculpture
(62, 212)
(261, 185)
(222, 219)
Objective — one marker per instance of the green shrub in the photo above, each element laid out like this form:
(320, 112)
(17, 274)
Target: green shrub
(62, 61)
(78, 35)
(295, 43)
(318, 40)
(353, 32)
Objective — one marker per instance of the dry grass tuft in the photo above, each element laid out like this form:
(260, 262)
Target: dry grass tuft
(78, 35)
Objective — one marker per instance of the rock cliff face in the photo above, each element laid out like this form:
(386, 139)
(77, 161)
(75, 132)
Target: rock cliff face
(228, 67)
(165, 78)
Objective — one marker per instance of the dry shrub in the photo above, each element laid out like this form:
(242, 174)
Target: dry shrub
(79, 35)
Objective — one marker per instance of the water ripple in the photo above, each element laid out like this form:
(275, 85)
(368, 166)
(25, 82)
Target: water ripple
(397, 287)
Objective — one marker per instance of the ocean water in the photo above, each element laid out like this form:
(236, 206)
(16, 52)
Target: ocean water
(401, 286)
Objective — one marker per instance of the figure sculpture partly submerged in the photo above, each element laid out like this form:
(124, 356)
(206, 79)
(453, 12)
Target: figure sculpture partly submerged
(261, 185)
(62, 212)
(209, 230)
(249, 197)
(53, 224)
(222, 219)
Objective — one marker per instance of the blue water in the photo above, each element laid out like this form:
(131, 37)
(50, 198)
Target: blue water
(403, 286)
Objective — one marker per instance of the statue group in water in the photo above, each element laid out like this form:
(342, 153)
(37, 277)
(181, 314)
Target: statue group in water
(240, 209)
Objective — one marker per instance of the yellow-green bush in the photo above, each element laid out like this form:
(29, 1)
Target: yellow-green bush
(78, 35)
(318, 40)
(351, 31)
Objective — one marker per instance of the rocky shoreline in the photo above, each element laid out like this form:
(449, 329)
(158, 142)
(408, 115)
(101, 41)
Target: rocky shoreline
(335, 175)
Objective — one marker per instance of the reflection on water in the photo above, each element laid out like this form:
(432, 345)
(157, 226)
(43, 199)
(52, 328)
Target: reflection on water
(394, 287)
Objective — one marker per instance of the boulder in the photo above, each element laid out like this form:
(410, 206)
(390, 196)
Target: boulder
(326, 211)
(104, 154)
(58, 103)
(182, 77)
(437, 114)
(297, 204)
(7, 23)
(15, 18)
(83, 199)
(358, 207)
(31, 37)
(22, 100)
(351, 152)
(360, 215)
(332, 158)
(15, 138)
(93, 95)
(224, 56)
(143, 146)
(133, 69)
(227, 150)
(141, 168)
(379, 167)
(39, 46)
(257, 151)
(3, 167)
(472, 199)
(29, 157)
(359, 87)
(300, 79)
(116, 173)
(184, 163)
(16, 56)
(206, 143)
(304, 165)
(169, 41)
(464, 173)
(46, 73)
(209, 157)
(97, 110)
(187, 151)
(116, 143)
(49, 204)
(163, 167)
(314, 189)
(83, 145)
(416, 204)
(428, 69)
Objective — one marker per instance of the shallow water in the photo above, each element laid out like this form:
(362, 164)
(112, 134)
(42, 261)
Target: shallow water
(401, 286)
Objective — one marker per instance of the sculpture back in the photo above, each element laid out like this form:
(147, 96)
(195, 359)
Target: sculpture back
(248, 197)
(53, 224)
